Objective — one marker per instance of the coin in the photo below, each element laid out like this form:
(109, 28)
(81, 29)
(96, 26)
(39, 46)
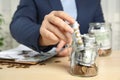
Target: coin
(10, 65)
(57, 61)
(84, 69)
(91, 72)
(1, 68)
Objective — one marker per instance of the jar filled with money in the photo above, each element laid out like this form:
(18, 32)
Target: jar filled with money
(84, 53)
(103, 35)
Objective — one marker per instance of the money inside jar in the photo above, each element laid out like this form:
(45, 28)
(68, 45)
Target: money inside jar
(83, 55)
(103, 35)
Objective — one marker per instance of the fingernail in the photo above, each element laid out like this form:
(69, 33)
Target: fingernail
(71, 30)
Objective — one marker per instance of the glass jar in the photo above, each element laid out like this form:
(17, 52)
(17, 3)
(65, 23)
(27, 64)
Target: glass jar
(103, 35)
(83, 56)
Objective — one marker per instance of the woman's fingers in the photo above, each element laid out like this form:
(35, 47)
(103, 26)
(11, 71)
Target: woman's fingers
(65, 52)
(57, 32)
(64, 16)
(54, 29)
(60, 46)
(49, 38)
(69, 38)
(58, 18)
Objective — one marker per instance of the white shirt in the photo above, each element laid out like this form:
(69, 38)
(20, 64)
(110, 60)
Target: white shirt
(69, 6)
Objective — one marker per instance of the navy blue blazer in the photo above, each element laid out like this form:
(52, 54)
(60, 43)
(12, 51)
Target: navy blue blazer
(30, 14)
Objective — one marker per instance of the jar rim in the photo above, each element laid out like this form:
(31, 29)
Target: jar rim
(100, 23)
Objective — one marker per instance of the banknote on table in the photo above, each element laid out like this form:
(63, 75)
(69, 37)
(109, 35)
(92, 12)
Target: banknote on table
(23, 54)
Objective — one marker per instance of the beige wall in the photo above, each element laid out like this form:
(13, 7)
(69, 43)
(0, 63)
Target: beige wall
(7, 8)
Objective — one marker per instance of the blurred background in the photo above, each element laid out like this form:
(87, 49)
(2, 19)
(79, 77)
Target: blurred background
(111, 9)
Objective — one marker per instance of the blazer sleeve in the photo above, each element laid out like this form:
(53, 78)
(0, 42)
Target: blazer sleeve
(24, 26)
(99, 17)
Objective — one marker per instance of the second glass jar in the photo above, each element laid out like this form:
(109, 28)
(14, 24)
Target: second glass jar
(103, 35)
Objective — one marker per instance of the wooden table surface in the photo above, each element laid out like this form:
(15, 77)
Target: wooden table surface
(109, 69)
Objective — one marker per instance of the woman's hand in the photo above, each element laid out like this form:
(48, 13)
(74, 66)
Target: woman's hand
(64, 51)
(55, 30)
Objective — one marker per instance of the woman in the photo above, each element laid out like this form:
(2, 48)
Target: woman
(41, 24)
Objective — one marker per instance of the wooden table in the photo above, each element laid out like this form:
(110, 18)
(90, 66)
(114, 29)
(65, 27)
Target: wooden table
(109, 69)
